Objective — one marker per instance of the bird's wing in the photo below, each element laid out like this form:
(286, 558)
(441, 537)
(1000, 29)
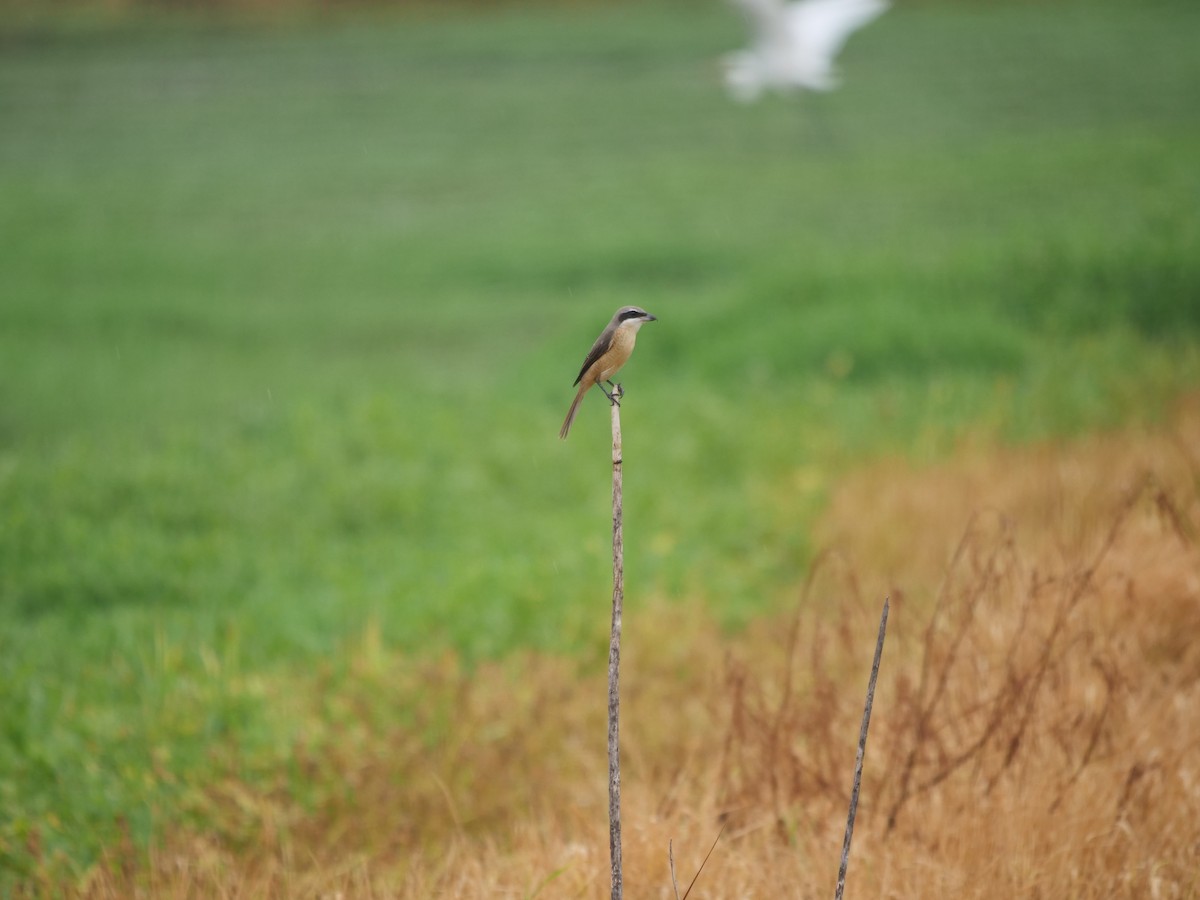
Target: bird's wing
(598, 348)
(820, 27)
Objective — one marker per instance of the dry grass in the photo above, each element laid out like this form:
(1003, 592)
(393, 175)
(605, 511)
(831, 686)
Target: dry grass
(1034, 732)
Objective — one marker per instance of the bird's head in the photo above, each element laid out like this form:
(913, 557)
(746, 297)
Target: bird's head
(634, 316)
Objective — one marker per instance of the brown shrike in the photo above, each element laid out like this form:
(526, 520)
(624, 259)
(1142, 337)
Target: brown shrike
(608, 354)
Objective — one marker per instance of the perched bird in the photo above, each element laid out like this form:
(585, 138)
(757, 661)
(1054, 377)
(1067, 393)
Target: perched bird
(794, 44)
(608, 354)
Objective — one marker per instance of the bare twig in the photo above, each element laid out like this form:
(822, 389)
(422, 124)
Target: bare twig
(614, 657)
(671, 863)
(862, 749)
(694, 877)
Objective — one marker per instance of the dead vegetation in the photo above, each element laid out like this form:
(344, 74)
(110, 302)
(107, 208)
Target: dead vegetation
(1034, 730)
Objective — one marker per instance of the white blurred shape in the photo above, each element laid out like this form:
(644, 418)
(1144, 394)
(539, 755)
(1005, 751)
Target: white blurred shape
(794, 44)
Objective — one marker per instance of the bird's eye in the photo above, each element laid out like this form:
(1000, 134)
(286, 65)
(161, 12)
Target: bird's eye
(631, 314)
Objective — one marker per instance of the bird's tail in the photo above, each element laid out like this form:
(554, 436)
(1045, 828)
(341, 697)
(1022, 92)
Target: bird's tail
(583, 389)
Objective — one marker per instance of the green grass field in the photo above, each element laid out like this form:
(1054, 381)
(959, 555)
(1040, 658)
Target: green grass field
(290, 311)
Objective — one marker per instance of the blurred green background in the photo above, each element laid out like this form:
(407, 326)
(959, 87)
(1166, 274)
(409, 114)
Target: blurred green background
(290, 307)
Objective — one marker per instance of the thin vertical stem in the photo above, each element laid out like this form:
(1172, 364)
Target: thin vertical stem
(862, 750)
(614, 661)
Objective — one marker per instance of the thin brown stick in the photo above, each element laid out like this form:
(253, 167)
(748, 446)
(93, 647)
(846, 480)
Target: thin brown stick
(614, 658)
(862, 750)
(695, 877)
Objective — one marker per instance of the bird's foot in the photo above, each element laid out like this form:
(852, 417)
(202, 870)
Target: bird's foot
(615, 396)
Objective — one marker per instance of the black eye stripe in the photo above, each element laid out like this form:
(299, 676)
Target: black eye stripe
(631, 314)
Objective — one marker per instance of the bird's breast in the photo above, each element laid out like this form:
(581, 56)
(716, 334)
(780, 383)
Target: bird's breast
(618, 353)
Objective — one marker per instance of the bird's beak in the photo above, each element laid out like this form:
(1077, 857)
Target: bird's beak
(650, 318)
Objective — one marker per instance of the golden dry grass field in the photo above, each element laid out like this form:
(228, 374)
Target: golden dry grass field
(1034, 731)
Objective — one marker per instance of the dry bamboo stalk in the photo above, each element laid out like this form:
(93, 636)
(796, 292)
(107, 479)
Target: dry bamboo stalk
(614, 658)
